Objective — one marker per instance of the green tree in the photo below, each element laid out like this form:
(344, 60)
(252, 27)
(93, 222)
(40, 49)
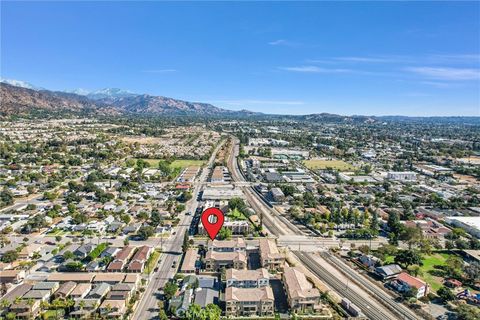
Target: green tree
(446, 294)
(468, 312)
(9, 256)
(408, 257)
(170, 289)
(145, 232)
(185, 244)
(224, 234)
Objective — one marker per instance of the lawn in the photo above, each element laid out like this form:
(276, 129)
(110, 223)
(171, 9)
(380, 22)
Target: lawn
(328, 164)
(429, 264)
(427, 270)
(152, 262)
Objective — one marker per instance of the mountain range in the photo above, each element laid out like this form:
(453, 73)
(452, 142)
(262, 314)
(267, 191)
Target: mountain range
(21, 98)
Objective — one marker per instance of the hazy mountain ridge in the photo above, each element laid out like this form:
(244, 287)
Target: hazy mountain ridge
(22, 99)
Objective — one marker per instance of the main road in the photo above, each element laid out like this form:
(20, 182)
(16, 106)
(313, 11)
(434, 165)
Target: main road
(147, 307)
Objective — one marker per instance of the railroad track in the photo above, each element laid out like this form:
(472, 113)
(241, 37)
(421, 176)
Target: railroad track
(378, 293)
(370, 311)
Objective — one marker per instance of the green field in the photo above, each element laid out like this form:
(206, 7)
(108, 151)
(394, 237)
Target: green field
(176, 163)
(428, 268)
(328, 164)
(429, 265)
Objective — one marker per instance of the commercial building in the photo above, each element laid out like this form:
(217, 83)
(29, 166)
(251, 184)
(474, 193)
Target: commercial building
(406, 176)
(469, 224)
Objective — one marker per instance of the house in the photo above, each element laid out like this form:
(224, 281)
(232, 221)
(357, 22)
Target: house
(81, 290)
(206, 296)
(113, 308)
(270, 257)
(121, 259)
(99, 291)
(65, 290)
(109, 278)
(50, 286)
(12, 276)
(43, 295)
(301, 294)
(78, 277)
(84, 250)
(388, 271)
(249, 302)
(369, 261)
(24, 310)
(118, 295)
(247, 278)
(83, 308)
(109, 252)
(17, 292)
(189, 261)
(137, 264)
(216, 260)
(405, 283)
(208, 282)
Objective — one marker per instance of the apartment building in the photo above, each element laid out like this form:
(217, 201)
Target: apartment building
(270, 257)
(234, 245)
(246, 302)
(247, 278)
(215, 261)
(301, 294)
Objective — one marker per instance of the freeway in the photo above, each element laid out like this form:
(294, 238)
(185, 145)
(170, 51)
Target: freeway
(364, 302)
(147, 307)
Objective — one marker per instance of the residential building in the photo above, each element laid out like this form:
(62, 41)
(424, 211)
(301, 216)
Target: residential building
(247, 278)
(234, 245)
(270, 257)
(189, 261)
(120, 260)
(388, 271)
(301, 294)
(140, 258)
(215, 261)
(405, 282)
(248, 302)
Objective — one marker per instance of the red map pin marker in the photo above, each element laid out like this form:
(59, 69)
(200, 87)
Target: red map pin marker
(212, 220)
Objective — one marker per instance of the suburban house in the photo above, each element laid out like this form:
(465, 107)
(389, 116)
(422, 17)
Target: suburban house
(65, 290)
(121, 259)
(388, 271)
(247, 278)
(137, 264)
(189, 261)
(249, 302)
(80, 291)
(301, 294)
(405, 282)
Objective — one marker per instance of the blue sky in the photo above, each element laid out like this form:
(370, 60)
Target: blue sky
(372, 58)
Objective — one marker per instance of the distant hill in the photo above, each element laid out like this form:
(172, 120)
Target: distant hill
(22, 100)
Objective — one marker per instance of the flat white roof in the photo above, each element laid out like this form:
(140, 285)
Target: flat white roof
(470, 221)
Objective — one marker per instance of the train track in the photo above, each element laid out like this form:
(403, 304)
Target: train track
(370, 311)
(378, 293)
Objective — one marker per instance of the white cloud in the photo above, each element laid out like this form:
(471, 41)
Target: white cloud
(283, 42)
(363, 59)
(314, 69)
(443, 73)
